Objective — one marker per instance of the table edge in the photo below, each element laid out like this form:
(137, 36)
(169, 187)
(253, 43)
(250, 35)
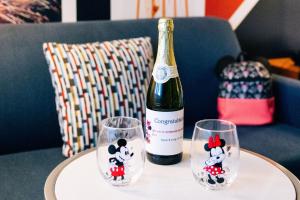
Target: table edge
(295, 181)
(49, 188)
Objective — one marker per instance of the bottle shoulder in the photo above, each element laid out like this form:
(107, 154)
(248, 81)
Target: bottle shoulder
(165, 97)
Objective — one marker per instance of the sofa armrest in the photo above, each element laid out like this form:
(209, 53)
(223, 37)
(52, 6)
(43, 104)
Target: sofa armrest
(287, 97)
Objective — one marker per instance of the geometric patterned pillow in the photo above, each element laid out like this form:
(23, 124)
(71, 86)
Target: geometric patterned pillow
(94, 81)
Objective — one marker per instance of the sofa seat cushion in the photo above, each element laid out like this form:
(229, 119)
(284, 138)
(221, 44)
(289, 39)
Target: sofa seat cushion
(280, 142)
(23, 175)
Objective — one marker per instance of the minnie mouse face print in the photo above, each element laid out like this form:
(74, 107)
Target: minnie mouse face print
(217, 155)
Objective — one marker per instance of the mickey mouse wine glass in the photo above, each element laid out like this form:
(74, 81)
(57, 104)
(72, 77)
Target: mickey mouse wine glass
(215, 153)
(120, 150)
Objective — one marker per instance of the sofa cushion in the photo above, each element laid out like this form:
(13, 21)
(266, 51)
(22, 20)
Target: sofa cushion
(94, 81)
(23, 175)
(280, 142)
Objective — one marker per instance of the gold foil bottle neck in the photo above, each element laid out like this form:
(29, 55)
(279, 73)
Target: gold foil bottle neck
(165, 24)
(165, 51)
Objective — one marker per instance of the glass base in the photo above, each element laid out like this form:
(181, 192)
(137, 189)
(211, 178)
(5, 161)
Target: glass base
(213, 183)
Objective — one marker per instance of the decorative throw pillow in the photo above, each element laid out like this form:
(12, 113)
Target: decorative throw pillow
(245, 92)
(94, 81)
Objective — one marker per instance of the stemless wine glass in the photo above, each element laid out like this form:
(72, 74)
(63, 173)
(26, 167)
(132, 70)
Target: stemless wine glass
(215, 153)
(121, 150)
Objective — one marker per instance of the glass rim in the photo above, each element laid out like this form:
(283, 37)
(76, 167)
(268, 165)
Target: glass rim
(229, 123)
(139, 123)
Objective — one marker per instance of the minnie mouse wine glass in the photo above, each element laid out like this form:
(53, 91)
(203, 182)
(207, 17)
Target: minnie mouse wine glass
(215, 153)
(120, 150)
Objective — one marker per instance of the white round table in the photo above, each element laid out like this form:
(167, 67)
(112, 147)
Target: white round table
(259, 178)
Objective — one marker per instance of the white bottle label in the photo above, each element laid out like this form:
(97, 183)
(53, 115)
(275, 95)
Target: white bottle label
(164, 132)
(162, 73)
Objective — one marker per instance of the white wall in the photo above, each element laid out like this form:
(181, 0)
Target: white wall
(127, 9)
(69, 10)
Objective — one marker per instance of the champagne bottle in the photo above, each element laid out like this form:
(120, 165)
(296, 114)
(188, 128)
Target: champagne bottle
(164, 112)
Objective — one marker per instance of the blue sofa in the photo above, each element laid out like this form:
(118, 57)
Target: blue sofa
(30, 142)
